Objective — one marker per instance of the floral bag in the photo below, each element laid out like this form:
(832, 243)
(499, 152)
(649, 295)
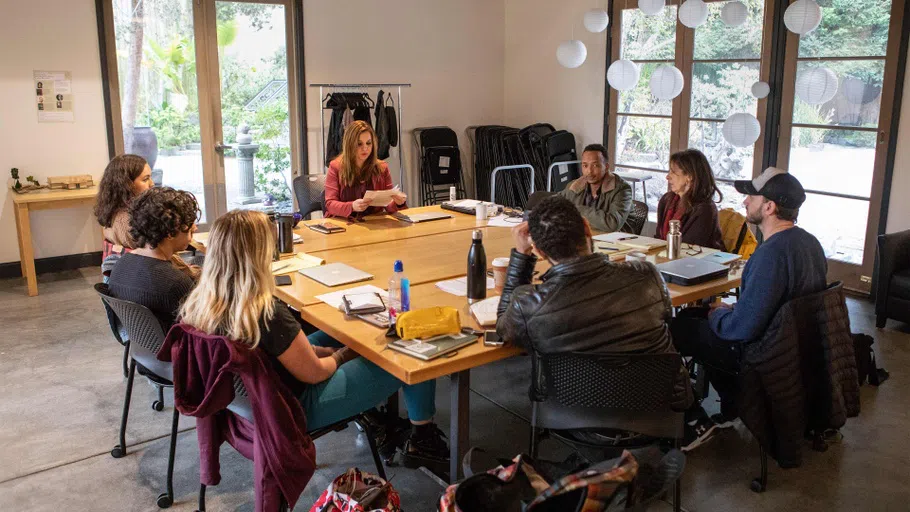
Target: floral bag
(357, 491)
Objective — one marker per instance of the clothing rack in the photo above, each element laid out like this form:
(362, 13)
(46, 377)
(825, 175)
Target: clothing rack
(322, 87)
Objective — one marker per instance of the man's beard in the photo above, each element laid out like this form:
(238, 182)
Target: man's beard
(754, 218)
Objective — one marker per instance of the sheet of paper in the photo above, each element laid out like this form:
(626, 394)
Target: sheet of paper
(363, 300)
(334, 299)
(501, 221)
(630, 240)
(54, 96)
(381, 197)
(466, 203)
(459, 286)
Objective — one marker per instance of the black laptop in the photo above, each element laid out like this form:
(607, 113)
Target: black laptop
(691, 271)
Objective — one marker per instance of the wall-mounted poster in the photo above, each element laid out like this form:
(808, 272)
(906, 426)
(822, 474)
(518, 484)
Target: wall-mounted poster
(54, 96)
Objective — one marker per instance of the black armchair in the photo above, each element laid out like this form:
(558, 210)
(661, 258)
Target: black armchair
(892, 293)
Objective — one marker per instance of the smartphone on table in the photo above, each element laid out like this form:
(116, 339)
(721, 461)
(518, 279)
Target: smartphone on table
(282, 280)
(492, 339)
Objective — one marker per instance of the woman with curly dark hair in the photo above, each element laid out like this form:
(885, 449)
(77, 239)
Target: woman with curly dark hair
(162, 222)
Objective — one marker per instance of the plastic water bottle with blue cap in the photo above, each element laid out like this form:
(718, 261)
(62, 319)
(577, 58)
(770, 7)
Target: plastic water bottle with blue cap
(399, 291)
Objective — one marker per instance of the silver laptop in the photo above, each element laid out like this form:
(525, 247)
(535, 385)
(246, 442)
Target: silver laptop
(421, 217)
(690, 271)
(335, 274)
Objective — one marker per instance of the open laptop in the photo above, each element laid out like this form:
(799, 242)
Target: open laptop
(691, 271)
(414, 218)
(335, 274)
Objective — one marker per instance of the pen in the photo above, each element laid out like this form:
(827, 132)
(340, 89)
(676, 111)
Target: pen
(605, 248)
(626, 238)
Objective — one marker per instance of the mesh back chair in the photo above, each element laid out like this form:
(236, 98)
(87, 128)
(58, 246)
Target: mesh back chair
(241, 406)
(310, 192)
(146, 337)
(630, 393)
(637, 218)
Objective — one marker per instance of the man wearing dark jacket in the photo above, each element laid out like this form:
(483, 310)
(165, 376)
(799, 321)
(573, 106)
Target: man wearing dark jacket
(790, 263)
(585, 303)
(603, 198)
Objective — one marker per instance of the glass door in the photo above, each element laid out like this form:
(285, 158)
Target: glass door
(154, 47)
(206, 92)
(255, 138)
(838, 102)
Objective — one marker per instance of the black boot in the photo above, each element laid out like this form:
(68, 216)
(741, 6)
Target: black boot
(427, 447)
(390, 432)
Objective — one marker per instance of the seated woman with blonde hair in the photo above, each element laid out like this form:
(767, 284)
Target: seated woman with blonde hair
(356, 170)
(690, 200)
(234, 299)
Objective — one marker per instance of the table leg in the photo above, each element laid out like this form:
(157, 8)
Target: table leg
(19, 241)
(644, 191)
(26, 255)
(460, 421)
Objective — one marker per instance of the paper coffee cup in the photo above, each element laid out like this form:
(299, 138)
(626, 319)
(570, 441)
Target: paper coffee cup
(636, 256)
(500, 266)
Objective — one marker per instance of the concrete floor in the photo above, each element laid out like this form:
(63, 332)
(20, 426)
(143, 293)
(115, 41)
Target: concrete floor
(62, 393)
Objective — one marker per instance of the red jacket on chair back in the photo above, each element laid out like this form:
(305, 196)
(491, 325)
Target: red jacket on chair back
(283, 454)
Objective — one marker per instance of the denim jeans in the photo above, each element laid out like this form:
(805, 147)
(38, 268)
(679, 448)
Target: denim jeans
(357, 386)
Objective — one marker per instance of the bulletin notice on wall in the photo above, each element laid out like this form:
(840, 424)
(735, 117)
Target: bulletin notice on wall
(54, 93)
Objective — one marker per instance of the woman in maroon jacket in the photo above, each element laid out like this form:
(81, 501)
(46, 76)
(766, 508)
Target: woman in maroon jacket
(690, 200)
(356, 170)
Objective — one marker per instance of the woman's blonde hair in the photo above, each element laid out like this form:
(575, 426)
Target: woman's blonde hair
(236, 286)
(350, 174)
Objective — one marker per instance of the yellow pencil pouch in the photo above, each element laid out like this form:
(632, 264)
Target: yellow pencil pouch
(428, 322)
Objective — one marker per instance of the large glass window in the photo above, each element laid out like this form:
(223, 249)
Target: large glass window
(834, 137)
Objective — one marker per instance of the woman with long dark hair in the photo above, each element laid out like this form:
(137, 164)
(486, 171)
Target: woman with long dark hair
(356, 170)
(125, 177)
(690, 200)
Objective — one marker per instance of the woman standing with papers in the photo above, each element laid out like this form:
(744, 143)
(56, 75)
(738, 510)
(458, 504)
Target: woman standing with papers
(356, 171)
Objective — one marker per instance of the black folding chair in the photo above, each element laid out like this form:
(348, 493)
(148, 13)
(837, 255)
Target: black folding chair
(241, 406)
(440, 163)
(146, 337)
(310, 192)
(629, 394)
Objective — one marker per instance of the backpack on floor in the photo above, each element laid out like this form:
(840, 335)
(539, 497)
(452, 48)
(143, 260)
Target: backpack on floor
(358, 491)
(865, 361)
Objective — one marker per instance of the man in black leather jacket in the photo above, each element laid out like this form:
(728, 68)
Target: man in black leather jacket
(586, 303)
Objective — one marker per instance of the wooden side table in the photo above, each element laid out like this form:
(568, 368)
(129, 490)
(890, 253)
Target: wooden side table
(41, 200)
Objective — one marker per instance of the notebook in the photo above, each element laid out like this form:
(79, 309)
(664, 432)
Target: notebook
(335, 274)
(629, 240)
(432, 348)
(485, 311)
(295, 263)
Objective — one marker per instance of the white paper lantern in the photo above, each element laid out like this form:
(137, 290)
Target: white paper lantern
(571, 54)
(734, 14)
(854, 89)
(596, 20)
(816, 86)
(693, 13)
(651, 7)
(803, 16)
(761, 90)
(623, 75)
(666, 82)
(742, 130)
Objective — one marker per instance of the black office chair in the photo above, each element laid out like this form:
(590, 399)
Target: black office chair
(146, 337)
(892, 293)
(310, 192)
(609, 393)
(241, 406)
(635, 223)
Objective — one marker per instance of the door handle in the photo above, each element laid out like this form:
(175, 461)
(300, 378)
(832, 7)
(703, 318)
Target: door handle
(221, 146)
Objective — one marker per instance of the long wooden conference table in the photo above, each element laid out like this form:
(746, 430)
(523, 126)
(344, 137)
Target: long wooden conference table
(431, 252)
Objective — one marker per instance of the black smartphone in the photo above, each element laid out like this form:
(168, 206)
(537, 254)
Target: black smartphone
(282, 280)
(492, 339)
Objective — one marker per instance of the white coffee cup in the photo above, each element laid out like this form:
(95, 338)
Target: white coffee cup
(481, 211)
(636, 256)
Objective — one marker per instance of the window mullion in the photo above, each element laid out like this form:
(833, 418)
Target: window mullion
(682, 105)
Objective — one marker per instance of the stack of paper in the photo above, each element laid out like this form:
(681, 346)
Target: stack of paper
(294, 263)
(459, 286)
(485, 311)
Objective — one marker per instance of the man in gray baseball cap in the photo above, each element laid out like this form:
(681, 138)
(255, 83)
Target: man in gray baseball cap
(789, 263)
